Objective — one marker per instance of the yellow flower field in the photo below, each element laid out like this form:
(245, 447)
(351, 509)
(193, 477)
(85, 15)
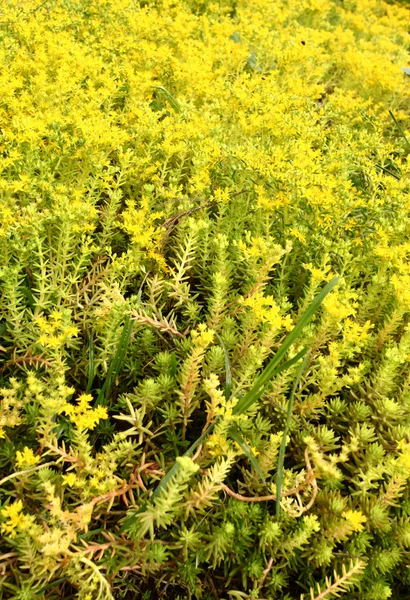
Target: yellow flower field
(205, 299)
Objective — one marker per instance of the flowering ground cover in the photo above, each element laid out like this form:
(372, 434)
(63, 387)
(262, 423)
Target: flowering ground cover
(205, 299)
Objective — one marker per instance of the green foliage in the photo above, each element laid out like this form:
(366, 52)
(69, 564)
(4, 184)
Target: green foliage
(205, 300)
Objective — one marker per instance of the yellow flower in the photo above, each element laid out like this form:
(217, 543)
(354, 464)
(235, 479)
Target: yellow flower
(12, 513)
(82, 415)
(298, 235)
(55, 333)
(16, 521)
(356, 519)
(70, 479)
(266, 310)
(217, 445)
(404, 456)
(56, 316)
(202, 336)
(26, 458)
(222, 195)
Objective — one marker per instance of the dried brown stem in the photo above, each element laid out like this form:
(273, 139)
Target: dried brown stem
(265, 572)
(26, 471)
(31, 360)
(164, 326)
(310, 480)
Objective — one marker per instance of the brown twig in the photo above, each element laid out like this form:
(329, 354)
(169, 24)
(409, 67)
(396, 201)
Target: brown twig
(134, 482)
(172, 222)
(310, 480)
(26, 471)
(31, 360)
(265, 573)
(63, 454)
(197, 453)
(136, 567)
(92, 275)
(200, 199)
(7, 556)
(121, 492)
(164, 326)
(313, 482)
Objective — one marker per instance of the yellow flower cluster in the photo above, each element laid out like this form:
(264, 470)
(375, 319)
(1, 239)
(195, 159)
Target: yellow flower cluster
(219, 407)
(266, 310)
(140, 224)
(261, 248)
(26, 458)
(202, 336)
(16, 522)
(98, 478)
(82, 415)
(55, 331)
(10, 406)
(355, 518)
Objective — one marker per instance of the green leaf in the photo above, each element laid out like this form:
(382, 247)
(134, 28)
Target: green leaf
(91, 366)
(175, 466)
(282, 450)
(228, 374)
(117, 361)
(271, 369)
(168, 96)
(164, 482)
(399, 128)
(246, 449)
(235, 37)
(291, 361)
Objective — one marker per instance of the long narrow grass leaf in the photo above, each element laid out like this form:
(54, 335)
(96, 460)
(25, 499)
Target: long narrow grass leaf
(90, 366)
(117, 361)
(175, 466)
(233, 433)
(282, 450)
(228, 374)
(247, 450)
(399, 127)
(162, 486)
(254, 393)
(286, 365)
(168, 96)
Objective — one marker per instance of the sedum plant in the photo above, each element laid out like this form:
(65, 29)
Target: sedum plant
(204, 292)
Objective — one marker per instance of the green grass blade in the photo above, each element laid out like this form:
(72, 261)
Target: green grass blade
(169, 97)
(290, 362)
(91, 366)
(117, 361)
(166, 479)
(387, 171)
(228, 374)
(286, 365)
(252, 396)
(236, 436)
(282, 450)
(399, 128)
(175, 466)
